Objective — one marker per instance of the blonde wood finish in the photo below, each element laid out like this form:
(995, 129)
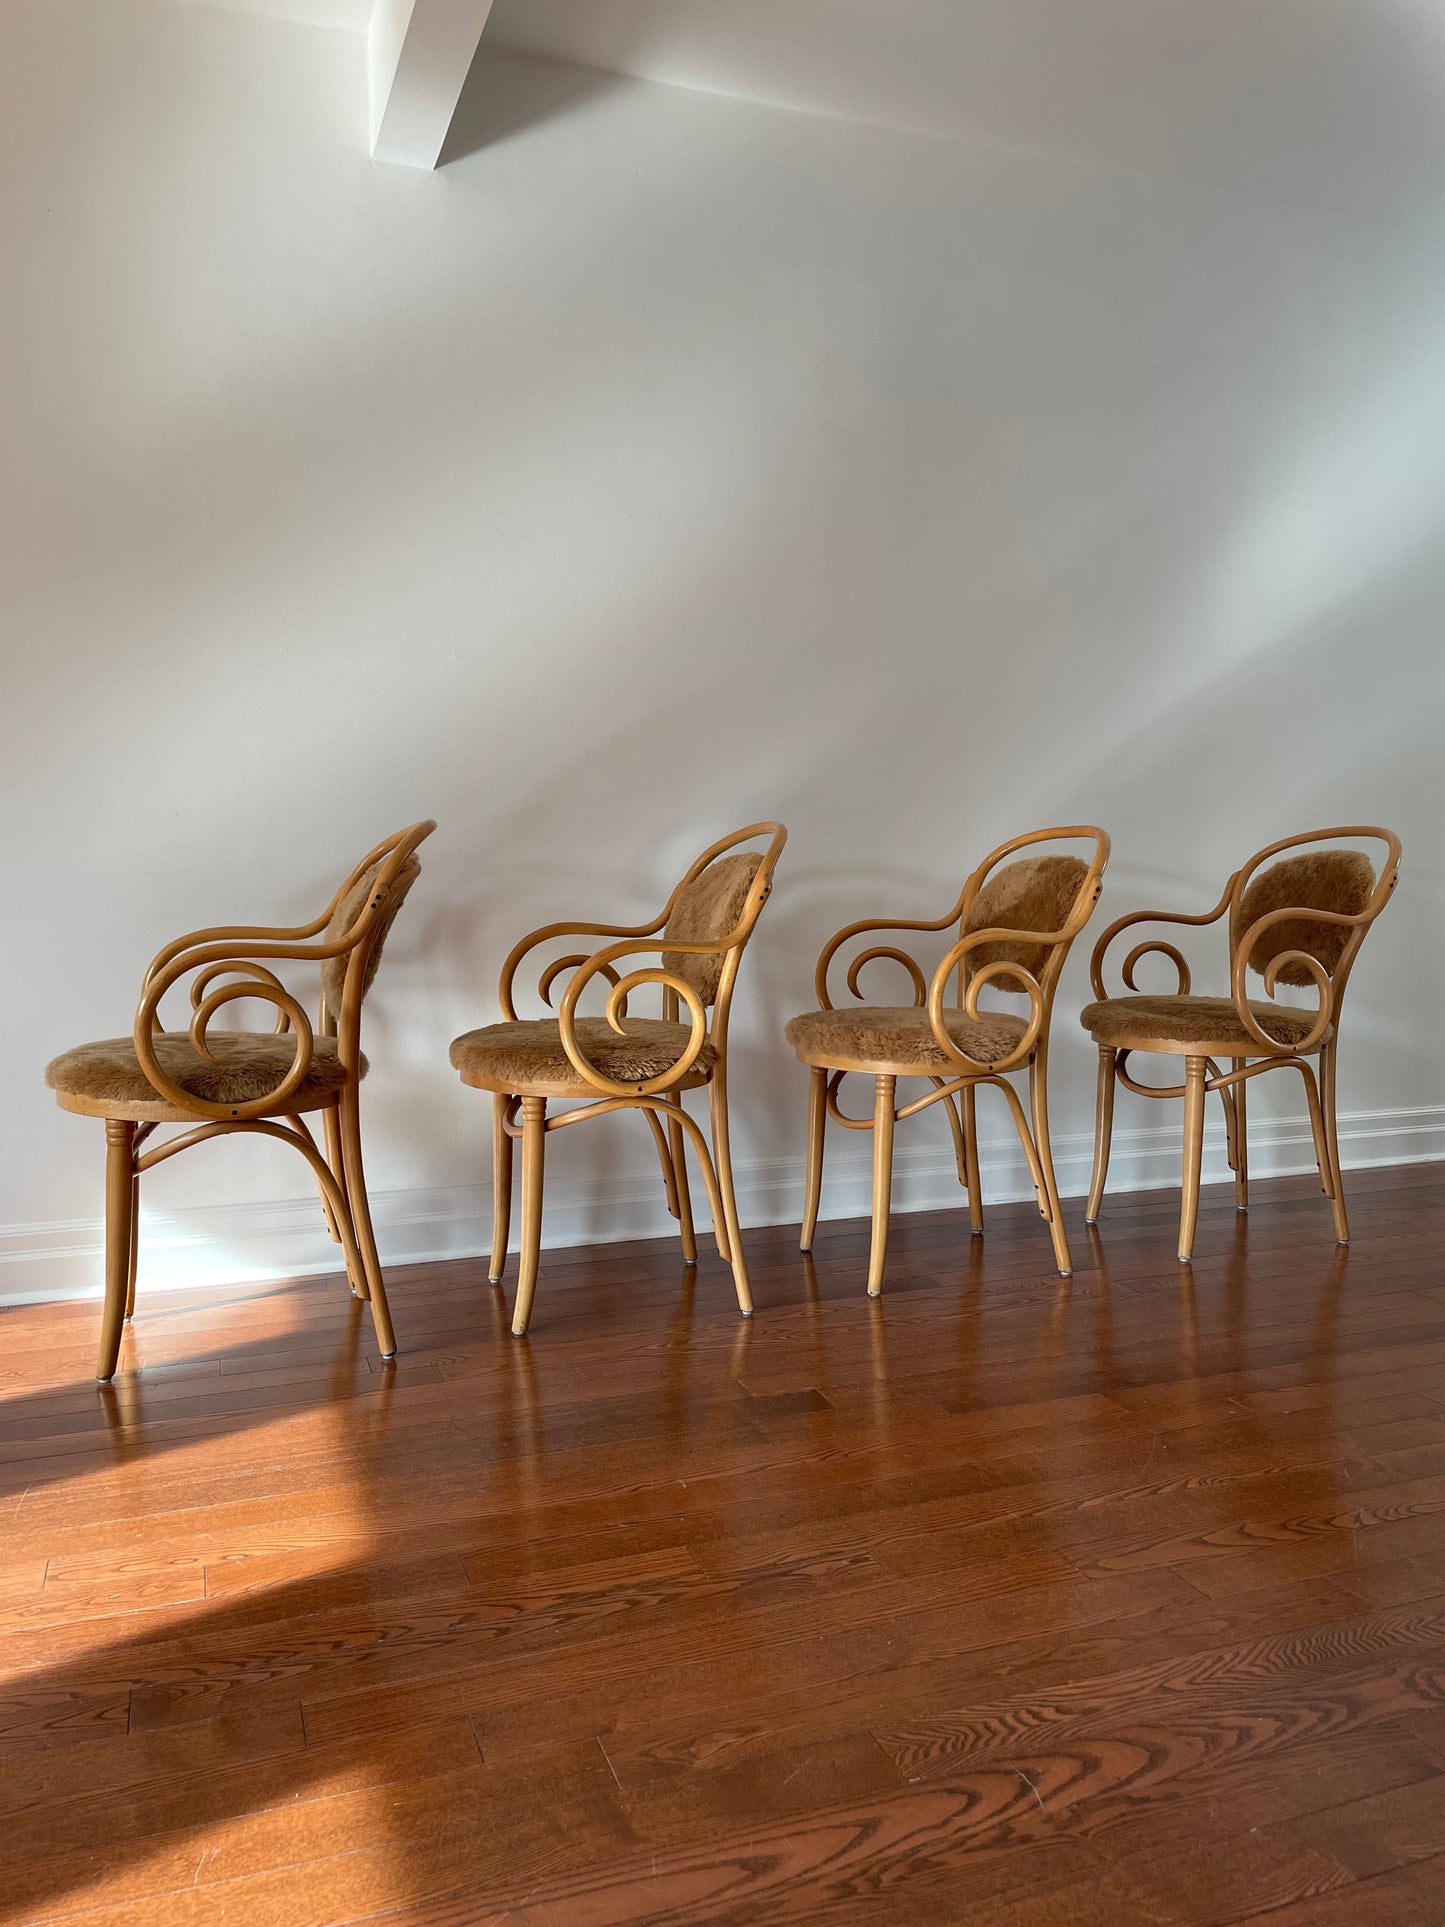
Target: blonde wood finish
(677, 1151)
(501, 1186)
(1320, 1040)
(817, 1127)
(534, 1151)
(225, 964)
(884, 1102)
(956, 984)
(659, 1097)
(1239, 1161)
(120, 1192)
(1103, 1133)
(1195, 1071)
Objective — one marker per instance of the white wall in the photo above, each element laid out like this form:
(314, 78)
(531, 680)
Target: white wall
(665, 463)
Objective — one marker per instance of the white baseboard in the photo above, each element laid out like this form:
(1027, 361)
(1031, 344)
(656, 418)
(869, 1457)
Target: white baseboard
(285, 1238)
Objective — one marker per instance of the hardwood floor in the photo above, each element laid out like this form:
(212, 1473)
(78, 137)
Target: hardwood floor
(1002, 1600)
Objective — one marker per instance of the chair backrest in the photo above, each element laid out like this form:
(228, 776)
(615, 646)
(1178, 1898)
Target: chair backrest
(720, 896)
(362, 913)
(1054, 894)
(1339, 882)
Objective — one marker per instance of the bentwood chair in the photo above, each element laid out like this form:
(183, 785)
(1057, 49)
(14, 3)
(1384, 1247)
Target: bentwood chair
(217, 1082)
(1016, 922)
(623, 1062)
(1300, 922)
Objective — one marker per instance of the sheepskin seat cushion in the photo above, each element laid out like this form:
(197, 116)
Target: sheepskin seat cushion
(880, 1037)
(1198, 1026)
(333, 971)
(528, 1057)
(248, 1064)
(1339, 880)
(1036, 893)
(708, 909)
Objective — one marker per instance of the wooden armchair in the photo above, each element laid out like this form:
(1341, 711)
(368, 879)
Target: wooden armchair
(621, 1062)
(221, 1081)
(1300, 922)
(1016, 923)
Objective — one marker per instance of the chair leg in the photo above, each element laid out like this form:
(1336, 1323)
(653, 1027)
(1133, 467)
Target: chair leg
(817, 1127)
(677, 1150)
(534, 1147)
(722, 1158)
(120, 1194)
(354, 1171)
(1195, 1070)
(501, 1187)
(336, 1163)
(1039, 1108)
(884, 1109)
(1329, 1090)
(1241, 1139)
(970, 1160)
(134, 1246)
(1103, 1133)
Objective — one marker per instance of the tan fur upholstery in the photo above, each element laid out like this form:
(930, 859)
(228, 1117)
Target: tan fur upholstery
(1036, 893)
(1193, 1020)
(708, 909)
(333, 971)
(1339, 880)
(525, 1056)
(249, 1064)
(885, 1035)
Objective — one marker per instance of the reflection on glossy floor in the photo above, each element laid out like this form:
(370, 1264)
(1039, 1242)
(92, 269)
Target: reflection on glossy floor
(1003, 1600)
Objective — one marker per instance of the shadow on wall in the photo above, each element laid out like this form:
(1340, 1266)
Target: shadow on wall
(505, 93)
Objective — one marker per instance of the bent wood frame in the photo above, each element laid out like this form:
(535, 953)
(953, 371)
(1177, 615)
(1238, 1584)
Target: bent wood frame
(956, 984)
(227, 964)
(1202, 1068)
(658, 1098)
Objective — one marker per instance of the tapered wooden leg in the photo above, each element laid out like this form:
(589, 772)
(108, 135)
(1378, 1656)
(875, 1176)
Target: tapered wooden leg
(534, 1148)
(134, 1246)
(354, 1172)
(333, 1159)
(1103, 1133)
(120, 1190)
(1195, 1070)
(1329, 1089)
(501, 1187)
(336, 1163)
(677, 1147)
(1039, 1107)
(817, 1127)
(970, 1160)
(883, 1119)
(723, 1160)
(1241, 1139)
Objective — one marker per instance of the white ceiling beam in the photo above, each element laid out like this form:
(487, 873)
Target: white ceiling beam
(418, 55)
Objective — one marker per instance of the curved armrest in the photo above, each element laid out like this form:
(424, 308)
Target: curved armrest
(1096, 962)
(910, 964)
(243, 933)
(602, 965)
(977, 981)
(237, 973)
(1323, 980)
(549, 975)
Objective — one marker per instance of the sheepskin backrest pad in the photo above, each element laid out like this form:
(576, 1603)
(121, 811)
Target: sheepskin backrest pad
(1338, 880)
(333, 971)
(708, 909)
(1036, 893)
